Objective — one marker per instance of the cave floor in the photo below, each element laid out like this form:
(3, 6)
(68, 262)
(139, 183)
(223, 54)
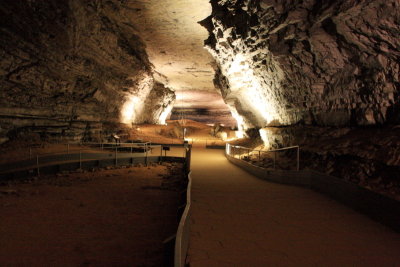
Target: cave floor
(115, 217)
(239, 220)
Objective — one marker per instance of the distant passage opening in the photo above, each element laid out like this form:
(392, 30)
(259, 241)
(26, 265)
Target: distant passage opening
(202, 106)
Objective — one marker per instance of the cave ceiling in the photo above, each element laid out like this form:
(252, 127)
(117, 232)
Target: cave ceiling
(175, 45)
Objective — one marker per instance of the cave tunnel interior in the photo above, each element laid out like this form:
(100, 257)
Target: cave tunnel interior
(261, 74)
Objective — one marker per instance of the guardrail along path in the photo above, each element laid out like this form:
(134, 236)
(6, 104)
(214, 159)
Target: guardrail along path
(240, 220)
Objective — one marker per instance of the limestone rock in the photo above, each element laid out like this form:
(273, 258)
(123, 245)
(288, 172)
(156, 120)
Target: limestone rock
(314, 62)
(68, 67)
(356, 154)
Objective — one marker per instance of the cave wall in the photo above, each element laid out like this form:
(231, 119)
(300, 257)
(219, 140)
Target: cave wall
(327, 63)
(68, 67)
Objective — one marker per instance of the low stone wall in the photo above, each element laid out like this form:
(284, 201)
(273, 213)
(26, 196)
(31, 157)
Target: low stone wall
(376, 206)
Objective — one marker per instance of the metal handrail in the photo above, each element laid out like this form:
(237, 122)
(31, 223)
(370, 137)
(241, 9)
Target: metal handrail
(183, 233)
(249, 150)
(100, 145)
(37, 156)
(270, 150)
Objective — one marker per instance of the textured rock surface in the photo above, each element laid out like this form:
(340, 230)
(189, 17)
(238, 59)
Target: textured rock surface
(68, 67)
(367, 156)
(174, 41)
(158, 104)
(281, 62)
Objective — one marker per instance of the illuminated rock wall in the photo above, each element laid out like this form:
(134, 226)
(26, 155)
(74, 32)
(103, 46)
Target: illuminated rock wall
(158, 105)
(69, 67)
(282, 62)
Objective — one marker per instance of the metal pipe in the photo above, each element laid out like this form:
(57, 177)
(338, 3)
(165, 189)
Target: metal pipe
(37, 165)
(116, 155)
(145, 146)
(259, 155)
(298, 158)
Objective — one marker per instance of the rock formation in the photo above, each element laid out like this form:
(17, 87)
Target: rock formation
(327, 73)
(68, 67)
(330, 63)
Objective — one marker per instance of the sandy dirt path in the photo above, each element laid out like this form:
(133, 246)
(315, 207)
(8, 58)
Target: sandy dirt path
(116, 217)
(239, 220)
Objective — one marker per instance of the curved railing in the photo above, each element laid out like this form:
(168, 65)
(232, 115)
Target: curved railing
(183, 233)
(92, 152)
(58, 162)
(92, 156)
(240, 151)
(378, 207)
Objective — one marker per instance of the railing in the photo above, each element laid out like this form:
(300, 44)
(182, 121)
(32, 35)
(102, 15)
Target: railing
(93, 151)
(240, 151)
(165, 139)
(183, 233)
(191, 140)
(180, 242)
(176, 246)
(72, 148)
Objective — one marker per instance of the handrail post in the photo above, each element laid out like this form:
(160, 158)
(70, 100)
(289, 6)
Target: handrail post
(145, 146)
(259, 155)
(131, 154)
(298, 158)
(116, 155)
(37, 165)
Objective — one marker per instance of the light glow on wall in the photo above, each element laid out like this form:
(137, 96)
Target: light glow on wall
(128, 110)
(253, 95)
(240, 133)
(264, 137)
(164, 115)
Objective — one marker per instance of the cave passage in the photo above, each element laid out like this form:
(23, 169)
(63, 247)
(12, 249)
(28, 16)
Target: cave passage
(321, 76)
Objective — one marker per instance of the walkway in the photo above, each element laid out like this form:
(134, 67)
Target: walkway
(239, 220)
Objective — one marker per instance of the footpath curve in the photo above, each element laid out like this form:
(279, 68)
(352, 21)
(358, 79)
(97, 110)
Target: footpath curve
(240, 220)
